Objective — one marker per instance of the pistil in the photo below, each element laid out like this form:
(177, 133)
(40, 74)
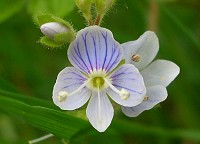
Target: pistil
(99, 106)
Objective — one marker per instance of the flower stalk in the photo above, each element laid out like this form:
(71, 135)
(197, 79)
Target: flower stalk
(40, 139)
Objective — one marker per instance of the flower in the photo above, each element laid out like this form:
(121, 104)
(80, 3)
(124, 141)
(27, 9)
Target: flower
(157, 75)
(96, 75)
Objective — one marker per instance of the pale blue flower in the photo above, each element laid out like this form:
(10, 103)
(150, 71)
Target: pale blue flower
(157, 75)
(95, 76)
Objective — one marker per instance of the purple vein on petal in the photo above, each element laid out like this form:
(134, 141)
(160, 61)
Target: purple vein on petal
(115, 61)
(76, 61)
(95, 48)
(132, 108)
(74, 74)
(99, 61)
(86, 48)
(73, 79)
(115, 79)
(113, 52)
(79, 54)
(106, 43)
(72, 85)
(121, 73)
(126, 88)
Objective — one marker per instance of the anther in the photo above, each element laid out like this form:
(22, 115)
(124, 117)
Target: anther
(135, 58)
(145, 98)
(62, 95)
(124, 94)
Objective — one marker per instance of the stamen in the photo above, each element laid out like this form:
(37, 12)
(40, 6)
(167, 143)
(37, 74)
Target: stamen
(80, 88)
(62, 95)
(135, 58)
(124, 94)
(40, 139)
(146, 98)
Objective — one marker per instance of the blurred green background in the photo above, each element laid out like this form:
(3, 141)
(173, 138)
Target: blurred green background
(32, 69)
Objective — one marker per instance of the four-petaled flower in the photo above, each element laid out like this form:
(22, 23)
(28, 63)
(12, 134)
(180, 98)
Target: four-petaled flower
(96, 75)
(157, 75)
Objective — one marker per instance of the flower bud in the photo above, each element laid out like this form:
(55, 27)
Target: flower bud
(56, 31)
(52, 28)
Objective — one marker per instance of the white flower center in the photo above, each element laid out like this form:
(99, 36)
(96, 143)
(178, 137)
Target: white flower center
(97, 81)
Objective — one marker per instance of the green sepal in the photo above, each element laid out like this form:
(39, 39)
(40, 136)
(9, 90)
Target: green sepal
(100, 5)
(57, 41)
(103, 6)
(85, 7)
(64, 37)
(46, 41)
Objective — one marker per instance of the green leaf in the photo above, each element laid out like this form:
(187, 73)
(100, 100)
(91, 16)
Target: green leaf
(52, 121)
(8, 8)
(180, 25)
(66, 126)
(28, 99)
(6, 85)
(126, 127)
(61, 8)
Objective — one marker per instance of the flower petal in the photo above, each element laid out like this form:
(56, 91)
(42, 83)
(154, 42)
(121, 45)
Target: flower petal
(95, 48)
(160, 72)
(68, 80)
(156, 94)
(146, 46)
(50, 29)
(100, 111)
(127, 77)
